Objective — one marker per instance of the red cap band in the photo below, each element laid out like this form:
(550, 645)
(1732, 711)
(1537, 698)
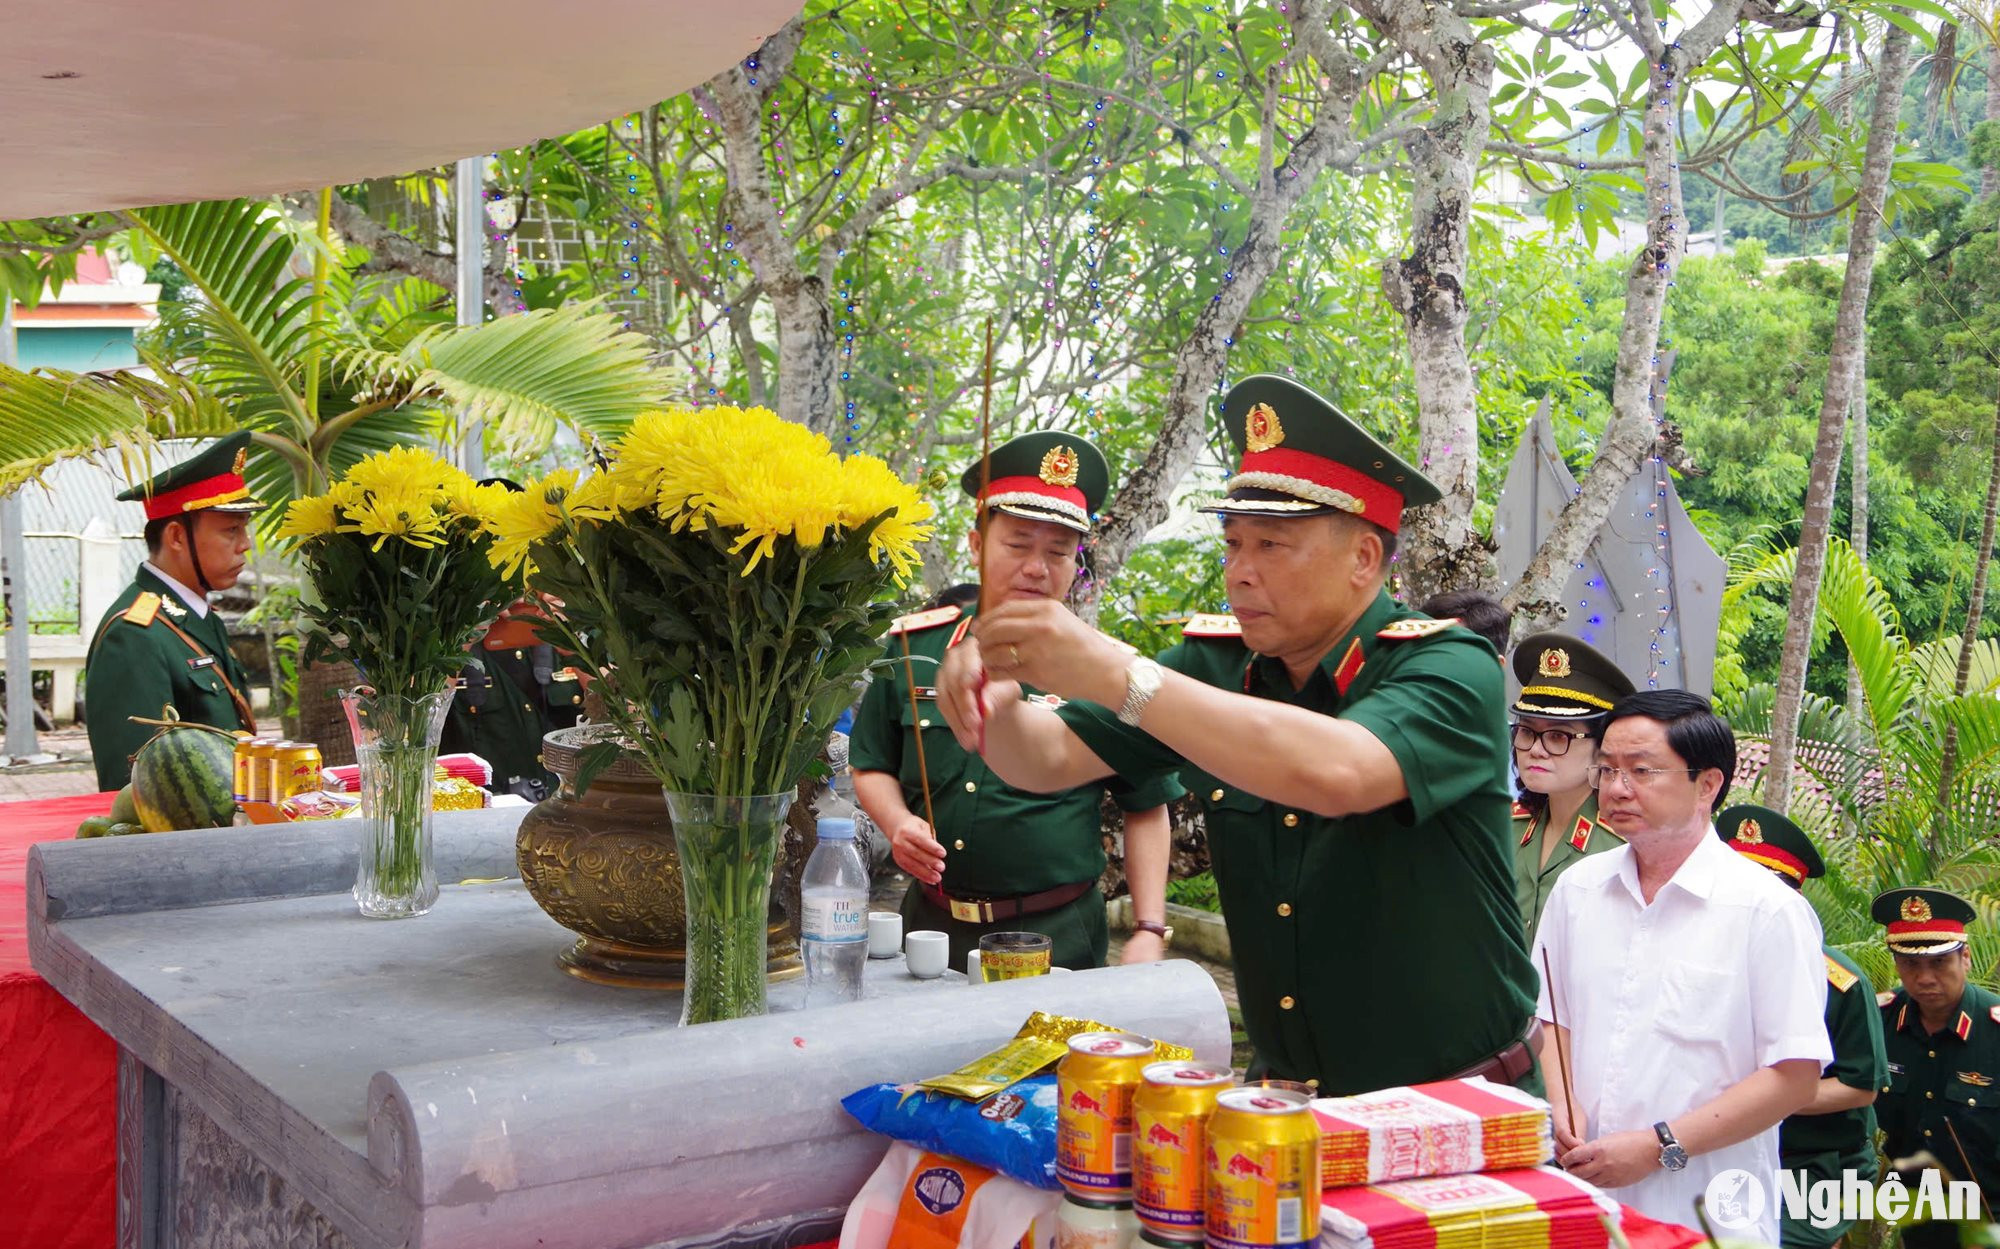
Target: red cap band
(1381, 504)
(208, 492)
(1772, 857)
(1936, 929)
(1035, 485)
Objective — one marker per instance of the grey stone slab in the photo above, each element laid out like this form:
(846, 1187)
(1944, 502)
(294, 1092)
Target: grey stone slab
(441, 1082)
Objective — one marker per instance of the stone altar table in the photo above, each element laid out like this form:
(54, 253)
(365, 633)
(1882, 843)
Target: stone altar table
(294, 1074)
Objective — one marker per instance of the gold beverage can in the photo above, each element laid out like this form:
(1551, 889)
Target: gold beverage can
(1263, 1170)
(1169, 1165)
(257, 786)
(241, 783)
(273, 777)
(1095, 1083)
(295, 770)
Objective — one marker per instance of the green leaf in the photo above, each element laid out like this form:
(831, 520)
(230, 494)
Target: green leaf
(1567, 79)
(592, 760)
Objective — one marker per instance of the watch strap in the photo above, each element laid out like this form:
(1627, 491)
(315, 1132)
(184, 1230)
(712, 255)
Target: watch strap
(1147, 925)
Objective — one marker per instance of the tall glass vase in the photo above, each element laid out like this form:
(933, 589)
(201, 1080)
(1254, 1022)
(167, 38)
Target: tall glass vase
(396, 744)
(727, 848)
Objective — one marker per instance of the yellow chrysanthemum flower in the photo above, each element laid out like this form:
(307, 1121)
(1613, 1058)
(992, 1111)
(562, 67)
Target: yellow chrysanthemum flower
(873, 489)
(406, 471)
(411, 515)
(519, 519)
(315, 516)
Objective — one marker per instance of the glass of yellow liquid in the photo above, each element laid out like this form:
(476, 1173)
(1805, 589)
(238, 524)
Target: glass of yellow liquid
(1014, 955)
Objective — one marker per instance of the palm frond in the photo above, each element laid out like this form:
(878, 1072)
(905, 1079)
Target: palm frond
(52, 414)
(526, 375)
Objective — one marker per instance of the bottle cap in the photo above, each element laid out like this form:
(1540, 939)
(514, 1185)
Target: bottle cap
(836, 830)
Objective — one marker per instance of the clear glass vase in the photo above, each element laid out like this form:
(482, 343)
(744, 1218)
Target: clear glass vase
(727, 847)
(396, 744)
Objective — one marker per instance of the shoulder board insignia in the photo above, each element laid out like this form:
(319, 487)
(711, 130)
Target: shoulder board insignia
(924, 620)
(1839, 977)
(1403, 630)
(1579, 837)
(1994, 1014)
(1885, 997)
(1521, 813)
(1210, 625)
(143, 609)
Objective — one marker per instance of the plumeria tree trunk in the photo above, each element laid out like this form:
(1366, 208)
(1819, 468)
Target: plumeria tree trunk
(1974, 609)
(1442, 550)
(1858, 493)
(1632, 432)
(1892, 68)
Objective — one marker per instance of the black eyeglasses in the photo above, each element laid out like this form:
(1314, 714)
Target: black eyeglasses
(1555, 741)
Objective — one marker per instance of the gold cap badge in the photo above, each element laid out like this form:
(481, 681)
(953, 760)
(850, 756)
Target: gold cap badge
(1916, 910)
(1059, 466)
(1750, 832)
(1261, 428)
(242, 458)
(1554, 662)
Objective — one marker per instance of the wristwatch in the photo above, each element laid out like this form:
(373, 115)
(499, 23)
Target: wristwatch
(1142, 681)
(1164, 932)
(1672, 1156)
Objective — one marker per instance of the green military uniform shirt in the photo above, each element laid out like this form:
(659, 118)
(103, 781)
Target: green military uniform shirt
(1824, 1146)
(1000, 842)
(139, 664)
(1377, 949)
(1950, 1077)
(1534, 880)
(503, 710)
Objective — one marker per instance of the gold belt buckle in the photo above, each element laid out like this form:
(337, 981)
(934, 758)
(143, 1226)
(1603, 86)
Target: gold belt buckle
(969, 912)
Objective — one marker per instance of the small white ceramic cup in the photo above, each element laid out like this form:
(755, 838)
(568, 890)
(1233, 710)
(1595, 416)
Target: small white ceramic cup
(927, 952)
(885, 934)
(972, 972)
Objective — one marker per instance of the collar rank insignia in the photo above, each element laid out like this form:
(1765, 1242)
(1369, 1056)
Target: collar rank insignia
(1414, 627)
(1059, 466)
(1916, 910)
(1349, 667)
(1750, 833)
(1975, 1079)
(1554, 662)
(1837, 976)
(1579, 837)
(1261, 428)
(1212, 625)
(1964, 1029)
(1521, 813)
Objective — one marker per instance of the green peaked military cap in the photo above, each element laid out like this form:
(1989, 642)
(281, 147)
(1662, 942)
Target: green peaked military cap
(1045, 475)
(1565, 678)
(1923, 920)
(1770, 840)
(1301, 456)
(211, 480)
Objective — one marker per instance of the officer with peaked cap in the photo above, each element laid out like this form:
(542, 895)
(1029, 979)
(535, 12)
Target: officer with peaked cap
(1004, 859)
(161, 644)
(1566, 689)
(1941, 1106)
(1836, 1133)
(1349, 754)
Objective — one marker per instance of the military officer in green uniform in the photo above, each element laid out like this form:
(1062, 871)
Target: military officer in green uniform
(1566, 689)
(1350, 755)
(1836, 1133)
(999, 858)
(161, 645)
(1941, 1104)
(515, 694)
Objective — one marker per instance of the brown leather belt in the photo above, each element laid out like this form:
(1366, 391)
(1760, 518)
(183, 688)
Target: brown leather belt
(993, 910)
(1510, 1064)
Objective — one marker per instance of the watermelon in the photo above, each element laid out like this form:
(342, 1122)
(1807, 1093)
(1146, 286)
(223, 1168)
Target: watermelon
(185, 778)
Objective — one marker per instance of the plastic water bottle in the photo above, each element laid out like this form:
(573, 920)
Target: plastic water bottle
(833, 924)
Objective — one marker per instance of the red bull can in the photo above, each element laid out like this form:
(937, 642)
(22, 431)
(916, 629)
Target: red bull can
(1169, 1164)
(1095, 1083)
(1263, 1170)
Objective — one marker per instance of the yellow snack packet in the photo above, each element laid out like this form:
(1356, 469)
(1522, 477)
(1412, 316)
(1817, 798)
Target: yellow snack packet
(1041, 1042)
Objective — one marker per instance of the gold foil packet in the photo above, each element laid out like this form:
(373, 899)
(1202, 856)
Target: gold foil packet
(1041, 1042)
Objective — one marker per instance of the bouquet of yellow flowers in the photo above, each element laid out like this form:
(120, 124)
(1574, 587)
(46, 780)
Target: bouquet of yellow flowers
(398, 552)
(728, 578)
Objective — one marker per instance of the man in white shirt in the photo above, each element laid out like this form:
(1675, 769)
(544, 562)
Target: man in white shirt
(1686, 980)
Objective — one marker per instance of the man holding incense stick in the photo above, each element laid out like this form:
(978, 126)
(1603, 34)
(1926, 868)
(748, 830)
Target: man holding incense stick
(986, 857)
(1350, 756)
(1684, 994)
